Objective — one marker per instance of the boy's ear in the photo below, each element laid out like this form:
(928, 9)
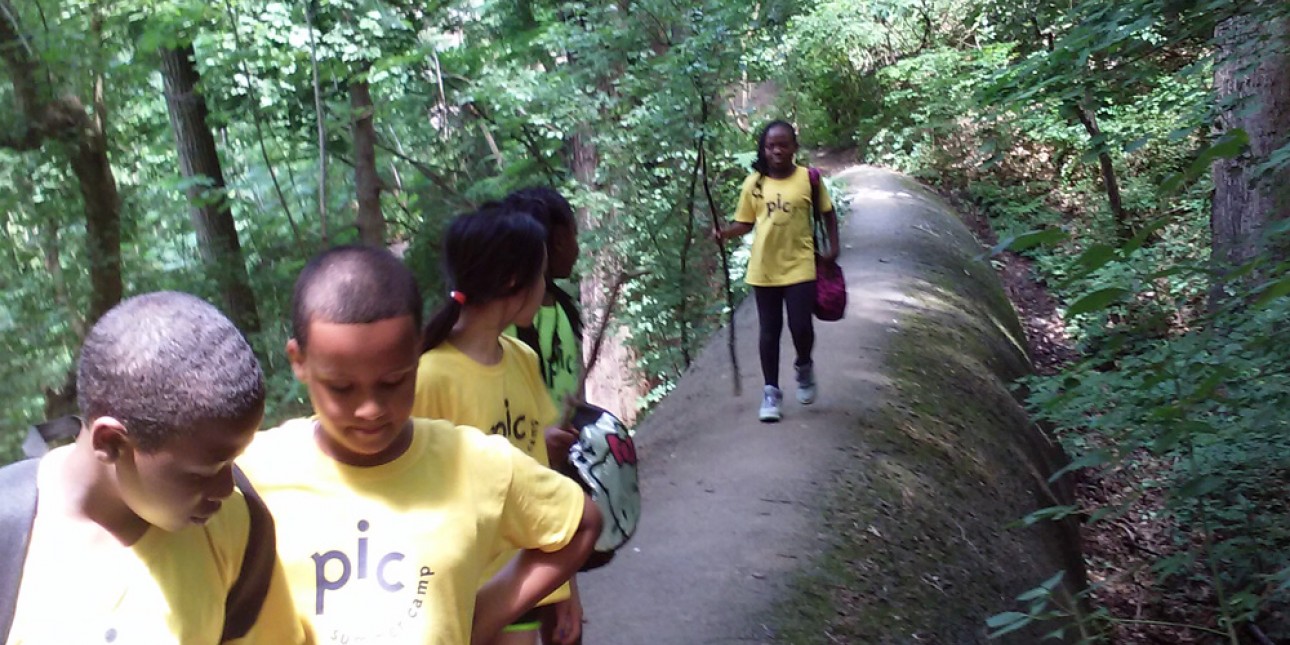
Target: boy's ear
(109, 439)
(297, 357)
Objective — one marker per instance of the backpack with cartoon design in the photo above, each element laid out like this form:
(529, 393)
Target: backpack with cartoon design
(603, 460)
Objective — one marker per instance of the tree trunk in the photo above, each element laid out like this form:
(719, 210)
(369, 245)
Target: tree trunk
(65, 119)
(199, 162)
(612, 382)
(320, 107)
(367, 184)
(1123, 228)
(1252, 83)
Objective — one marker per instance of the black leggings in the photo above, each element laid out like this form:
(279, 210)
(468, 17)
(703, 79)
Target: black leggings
(799, 299)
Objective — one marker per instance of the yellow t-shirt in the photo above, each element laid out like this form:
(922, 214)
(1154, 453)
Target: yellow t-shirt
(165, 588)
(783, 250)
(507, 399)
(394, 554)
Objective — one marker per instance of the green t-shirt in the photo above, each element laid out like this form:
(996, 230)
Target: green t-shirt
(559, 353)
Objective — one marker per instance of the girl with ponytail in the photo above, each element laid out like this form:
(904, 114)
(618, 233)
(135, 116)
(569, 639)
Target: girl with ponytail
(472, 374)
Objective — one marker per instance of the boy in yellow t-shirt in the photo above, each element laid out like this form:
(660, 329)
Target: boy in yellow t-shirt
(139, 534)
(777, 202)
(388, 523)
(473, 374)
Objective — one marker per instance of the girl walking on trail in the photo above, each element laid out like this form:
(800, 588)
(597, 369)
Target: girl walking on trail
(776, 202)
(472, 374)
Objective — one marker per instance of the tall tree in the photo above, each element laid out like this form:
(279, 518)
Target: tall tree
(367, 183)
(1252, 83)
(46, 115)
(211, 212)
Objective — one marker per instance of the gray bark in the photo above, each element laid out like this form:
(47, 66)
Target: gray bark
(1252, 82)
(367, 184)
(199, 162)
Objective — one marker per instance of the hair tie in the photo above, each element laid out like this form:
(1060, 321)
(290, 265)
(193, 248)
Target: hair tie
(458, 296)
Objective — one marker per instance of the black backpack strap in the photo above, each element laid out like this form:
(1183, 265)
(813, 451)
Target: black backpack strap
(17, 513)
(246, 597)
(818, 231)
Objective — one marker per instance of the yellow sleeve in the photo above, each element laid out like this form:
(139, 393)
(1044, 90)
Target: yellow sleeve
(746, 211)
(542, 509)
(826, 202)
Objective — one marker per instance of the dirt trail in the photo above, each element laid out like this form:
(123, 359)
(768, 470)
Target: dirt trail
(733, 506)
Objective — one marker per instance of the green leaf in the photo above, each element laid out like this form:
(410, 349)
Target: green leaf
(1006, 618)
(1049, 513)
(1090, 460)
(1044, 590)
(1052, 582)
(1093, 258)
(1136, 144)
(1030, 239)
(1200, 486)
(1097, 300)
(1227, 146)
(1277, 289)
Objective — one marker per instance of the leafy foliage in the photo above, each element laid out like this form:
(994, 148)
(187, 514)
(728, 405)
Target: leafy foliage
(470, 100)
(1018, 122)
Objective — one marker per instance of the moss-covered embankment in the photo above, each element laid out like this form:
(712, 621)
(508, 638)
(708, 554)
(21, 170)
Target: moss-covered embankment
(921, 548)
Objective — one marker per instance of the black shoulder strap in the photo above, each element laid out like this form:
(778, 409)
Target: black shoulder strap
(814, 174)
(246, 597)
(17, 512)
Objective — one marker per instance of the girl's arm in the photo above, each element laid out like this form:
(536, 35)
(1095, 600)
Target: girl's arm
(831, 227)
(530, 577)
(735, 229)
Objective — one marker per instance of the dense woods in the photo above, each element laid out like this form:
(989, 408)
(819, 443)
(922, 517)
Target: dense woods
(1137, 152)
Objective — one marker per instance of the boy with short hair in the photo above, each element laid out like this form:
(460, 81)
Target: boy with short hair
(388, 522)
(139, 535)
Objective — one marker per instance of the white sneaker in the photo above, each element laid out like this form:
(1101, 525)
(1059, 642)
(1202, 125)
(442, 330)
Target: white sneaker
(770, 401)
(806, 388)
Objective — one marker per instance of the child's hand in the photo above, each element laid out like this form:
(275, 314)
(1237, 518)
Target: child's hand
(558, 443)
(830, 254)
(568, 619)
